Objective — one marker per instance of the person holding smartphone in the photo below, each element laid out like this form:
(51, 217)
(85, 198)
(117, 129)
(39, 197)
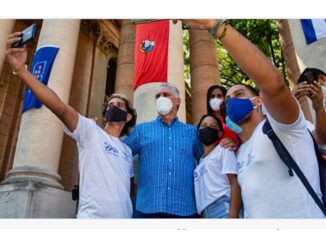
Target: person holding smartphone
(105, 163)
(314, 90)
(267, 189)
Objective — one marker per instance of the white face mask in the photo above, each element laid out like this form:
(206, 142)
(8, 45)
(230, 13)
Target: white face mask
(215, 103)
(163, 105)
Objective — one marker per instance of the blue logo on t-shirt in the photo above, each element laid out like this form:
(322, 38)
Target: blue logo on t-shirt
(127, 158)
(110, 149)
(202, 171)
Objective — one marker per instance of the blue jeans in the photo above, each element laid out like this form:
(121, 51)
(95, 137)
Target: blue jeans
(218, 209)
(141, 215)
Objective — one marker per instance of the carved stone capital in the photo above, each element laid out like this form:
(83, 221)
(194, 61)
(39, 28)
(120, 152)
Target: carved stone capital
(91, 28)
(107, 44)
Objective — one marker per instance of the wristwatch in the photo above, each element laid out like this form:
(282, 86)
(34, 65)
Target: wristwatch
(218, 24)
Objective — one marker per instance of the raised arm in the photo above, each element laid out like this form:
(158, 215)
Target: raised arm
(277, 98)
(16, 57)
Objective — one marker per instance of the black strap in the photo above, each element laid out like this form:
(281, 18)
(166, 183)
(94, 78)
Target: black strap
(290, 163)
(322, 169)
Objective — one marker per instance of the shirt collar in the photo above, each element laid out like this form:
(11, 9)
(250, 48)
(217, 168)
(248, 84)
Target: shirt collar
(158, 119)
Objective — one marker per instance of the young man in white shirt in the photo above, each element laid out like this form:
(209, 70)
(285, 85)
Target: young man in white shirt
(267, 189)
(105, 163)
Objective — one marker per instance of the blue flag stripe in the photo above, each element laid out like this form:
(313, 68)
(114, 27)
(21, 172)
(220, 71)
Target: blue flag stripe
(309, 31)
(314, 29)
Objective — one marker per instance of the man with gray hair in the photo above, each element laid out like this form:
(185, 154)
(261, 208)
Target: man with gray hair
(167, 151)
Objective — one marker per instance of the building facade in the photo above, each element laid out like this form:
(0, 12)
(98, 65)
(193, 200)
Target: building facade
(38, 162)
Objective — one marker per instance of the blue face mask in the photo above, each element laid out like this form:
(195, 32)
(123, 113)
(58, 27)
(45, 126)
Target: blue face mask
(237, 109)
(233, 126)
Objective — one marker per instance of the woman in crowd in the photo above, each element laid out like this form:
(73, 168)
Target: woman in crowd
(215, 178)
(216, 106)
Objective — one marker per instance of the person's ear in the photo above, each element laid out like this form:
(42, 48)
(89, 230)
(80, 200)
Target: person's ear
(322, 78)
(179, 101)
(129, 117)
(258, 101)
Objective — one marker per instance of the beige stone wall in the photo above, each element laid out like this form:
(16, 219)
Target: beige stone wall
(11, 97)
(6, 28)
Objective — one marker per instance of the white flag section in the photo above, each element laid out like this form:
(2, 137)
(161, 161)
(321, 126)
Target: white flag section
(314, 29)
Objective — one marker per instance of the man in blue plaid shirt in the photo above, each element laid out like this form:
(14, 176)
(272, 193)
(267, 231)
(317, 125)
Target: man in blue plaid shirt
(167, 150)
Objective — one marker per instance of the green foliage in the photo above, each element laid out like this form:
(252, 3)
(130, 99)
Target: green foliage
(263, 33)
(186, 56)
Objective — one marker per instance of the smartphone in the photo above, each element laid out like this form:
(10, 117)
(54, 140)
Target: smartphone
(27, 35)
(142, 21)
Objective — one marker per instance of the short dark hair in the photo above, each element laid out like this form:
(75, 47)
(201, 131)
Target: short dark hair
(208, 97)
(129, 108)
(253, 90)
(219, 122)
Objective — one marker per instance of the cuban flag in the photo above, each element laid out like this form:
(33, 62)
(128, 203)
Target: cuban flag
(41, 69)
(151, 52)
(314, 29)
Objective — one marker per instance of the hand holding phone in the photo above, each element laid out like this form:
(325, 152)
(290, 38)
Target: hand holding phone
(27, 35)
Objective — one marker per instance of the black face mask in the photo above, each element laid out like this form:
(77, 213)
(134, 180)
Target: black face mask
(114, 114)
(208, 135)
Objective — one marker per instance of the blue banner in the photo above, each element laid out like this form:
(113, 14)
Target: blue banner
(41, 69)
(313, 29)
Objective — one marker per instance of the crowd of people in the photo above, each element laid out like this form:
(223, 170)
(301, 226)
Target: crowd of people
(224, 167)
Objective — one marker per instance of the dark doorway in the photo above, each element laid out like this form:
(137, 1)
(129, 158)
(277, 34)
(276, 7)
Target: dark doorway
(110, 78)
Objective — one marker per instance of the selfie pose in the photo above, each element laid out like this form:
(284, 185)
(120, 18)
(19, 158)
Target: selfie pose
(215, 178)
(105, 163)
(267, 188)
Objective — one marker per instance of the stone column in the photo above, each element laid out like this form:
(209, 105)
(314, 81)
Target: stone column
(292, 67)
(126, 59)
(144, 95)
(176, 65)
(40, 137)
(32, 188)
(6, 28)
(313, 55)
(204, 70)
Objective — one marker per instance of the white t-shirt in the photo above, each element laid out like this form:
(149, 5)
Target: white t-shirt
(210, 180)
(267, 189)
(105, 168)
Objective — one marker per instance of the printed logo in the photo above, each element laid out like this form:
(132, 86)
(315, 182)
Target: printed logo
(110, 149)
(250, 158)
(38, 69)
(195, 176)
(146, 46)
(202, 171)
(240, 165)
(127, 158)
